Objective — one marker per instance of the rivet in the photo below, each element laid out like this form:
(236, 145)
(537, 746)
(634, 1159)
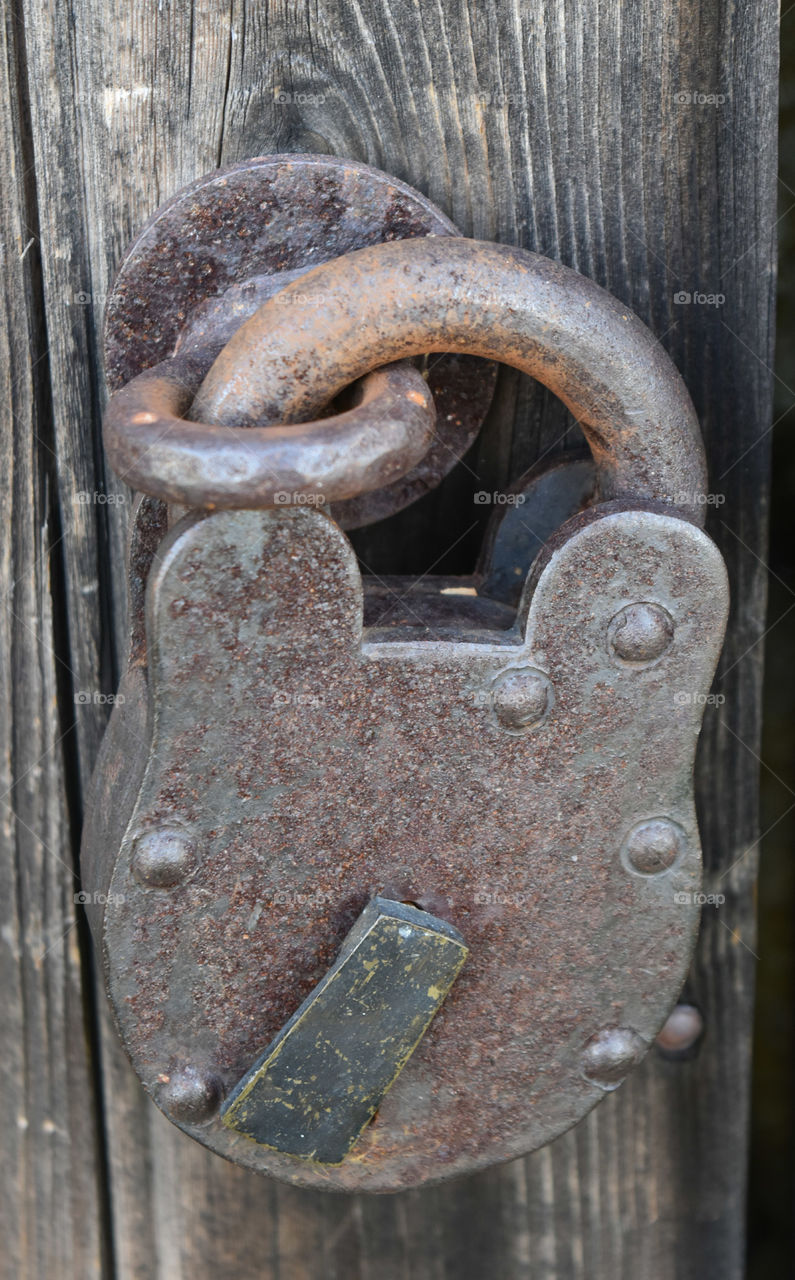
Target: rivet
(522, 697)
(653, 846)
(683, 1028)
(641, 632)
(162, 857)
(190, 1095)
(610, 1055)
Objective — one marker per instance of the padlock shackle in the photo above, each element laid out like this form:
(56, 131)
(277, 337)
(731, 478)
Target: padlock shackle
(446, 294)
(155, 446)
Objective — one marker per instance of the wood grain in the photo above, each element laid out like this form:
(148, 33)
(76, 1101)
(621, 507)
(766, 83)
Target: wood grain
(51, 1175)
(548, 124)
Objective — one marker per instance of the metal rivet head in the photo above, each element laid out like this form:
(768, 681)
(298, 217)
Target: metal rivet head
(162, 857)
(653, 846)
(641, 632)
(190, 1096)
(521, 698)
(683, 1028)
(610, 1055)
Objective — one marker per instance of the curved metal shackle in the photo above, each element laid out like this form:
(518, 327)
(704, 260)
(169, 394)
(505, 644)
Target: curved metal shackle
(155, 448)
(448, 294)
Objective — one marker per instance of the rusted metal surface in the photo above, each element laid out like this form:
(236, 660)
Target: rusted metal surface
(123, 751)
(397, 300)
(310, 765)
(206, 262)
(295, 743)
(462, 388)
(154, 447)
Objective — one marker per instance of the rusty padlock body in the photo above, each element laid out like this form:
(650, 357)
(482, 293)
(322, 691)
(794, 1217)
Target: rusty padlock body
(275, 764)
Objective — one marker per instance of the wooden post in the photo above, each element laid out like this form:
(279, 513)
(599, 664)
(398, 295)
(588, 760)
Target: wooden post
(635, 142)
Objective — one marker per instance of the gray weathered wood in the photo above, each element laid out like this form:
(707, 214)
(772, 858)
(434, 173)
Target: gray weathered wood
(51, 1174)
(583, 152)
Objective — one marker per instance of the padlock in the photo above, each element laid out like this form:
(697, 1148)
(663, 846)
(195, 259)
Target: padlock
(400, 877)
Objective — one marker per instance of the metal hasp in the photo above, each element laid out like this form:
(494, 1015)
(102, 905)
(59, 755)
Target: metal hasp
(297, 741)
(206, 262)
(324, 1076)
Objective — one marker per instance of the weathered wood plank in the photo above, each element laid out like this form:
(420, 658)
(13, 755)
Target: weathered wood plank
(51, 1201)
(558, 127)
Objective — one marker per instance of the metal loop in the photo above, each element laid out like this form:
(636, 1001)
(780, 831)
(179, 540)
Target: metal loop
(154, 448)
(439, 294)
